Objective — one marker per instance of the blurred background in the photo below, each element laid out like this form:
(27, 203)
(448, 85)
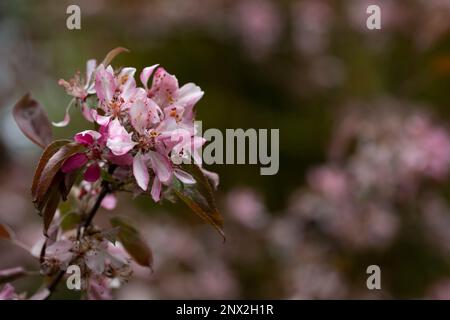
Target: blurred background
(364, 140)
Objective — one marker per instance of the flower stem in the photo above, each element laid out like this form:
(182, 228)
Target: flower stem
(104, 191)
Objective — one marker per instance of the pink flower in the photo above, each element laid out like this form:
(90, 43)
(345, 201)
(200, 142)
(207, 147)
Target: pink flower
(79, 89)
(144, 114)
(115, 93)
(102, 257)
(57, 256)
(94, 141)
(109, 202)
(149, 128)
(161, 167)
(98, 288)
(166, 93)
(119, 140)
(8, 292)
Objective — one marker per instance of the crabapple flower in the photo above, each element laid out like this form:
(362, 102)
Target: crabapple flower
(139, 136)
(119, 140)
(79, 89)
(115, 93)
(58, 256)
(8, 292)
(98, 288)
(166, 92)
(94, 142)
(152, 125)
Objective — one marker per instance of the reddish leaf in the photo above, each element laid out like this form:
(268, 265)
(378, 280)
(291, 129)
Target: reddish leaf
(67, 183)
(46, 155)
(53, 197)
(133, 242)
(11, 274)
(200, 198)
(5, 232)
(51, 168)
(112, 54)
(33, 121)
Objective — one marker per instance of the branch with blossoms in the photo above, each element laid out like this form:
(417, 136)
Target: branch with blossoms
(141, 140)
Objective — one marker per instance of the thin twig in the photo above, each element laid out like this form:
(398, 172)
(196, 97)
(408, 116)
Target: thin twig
(52, 286)
(104, 191)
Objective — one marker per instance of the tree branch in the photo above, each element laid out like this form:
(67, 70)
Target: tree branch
(104, 191)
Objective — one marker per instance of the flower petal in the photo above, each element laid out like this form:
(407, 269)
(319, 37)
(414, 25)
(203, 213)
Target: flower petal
(74, 162)
(90, 68)
(104, 84)
(109, 202)
(212, 177)
(161, 166)
(123, 160)
(87, 137)
(164, 88)
(188, 96)
(92, 173)
(146, 74)
(87, 112)
(140, 171)
(101, 120)
(95, 260)
(66, 119)
(98, 289)
(8, 292)
(184, 177)
(143, 114)
(156, 190)
(119, 140)
(126, 82)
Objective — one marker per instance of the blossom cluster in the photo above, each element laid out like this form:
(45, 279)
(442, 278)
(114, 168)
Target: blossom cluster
(138, 136)
(147, 129)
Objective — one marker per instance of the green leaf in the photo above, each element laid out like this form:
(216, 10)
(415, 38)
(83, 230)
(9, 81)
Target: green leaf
(112, 54)
(200, 197)
(70, 221)
(33, 121)
(132, 241)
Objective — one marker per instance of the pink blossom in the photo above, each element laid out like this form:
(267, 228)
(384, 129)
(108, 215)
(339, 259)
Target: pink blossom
(58, 256)
(8, 292)
(79, 89)
(98, 288)
(95, 142)
(149, 128)
(74, 162)
(109, 202)
(119, 140)
(166, 93)
(116, 93)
